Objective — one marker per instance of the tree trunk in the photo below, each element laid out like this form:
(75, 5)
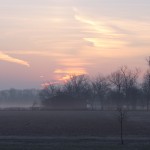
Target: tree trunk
(121, 130)
(147, 107)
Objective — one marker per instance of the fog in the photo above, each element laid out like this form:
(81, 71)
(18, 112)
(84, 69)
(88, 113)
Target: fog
(13, 98)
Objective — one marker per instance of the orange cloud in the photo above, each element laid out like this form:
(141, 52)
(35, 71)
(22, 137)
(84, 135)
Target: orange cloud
(74, 62)
(5, 57)
(64, 74)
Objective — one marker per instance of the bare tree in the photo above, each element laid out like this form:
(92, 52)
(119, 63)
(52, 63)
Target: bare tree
(100, 88)
(146, 88)
(116, 82)
(124, 82)
(130, 89)
(78, 86)
(122, 117)
(146, 84)
(47, 93)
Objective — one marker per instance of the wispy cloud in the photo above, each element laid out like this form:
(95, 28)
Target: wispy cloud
(5, 57)
(137, 31)
(108, 32)
(100, 33)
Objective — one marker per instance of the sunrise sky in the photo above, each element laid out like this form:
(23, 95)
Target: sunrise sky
(47, 40)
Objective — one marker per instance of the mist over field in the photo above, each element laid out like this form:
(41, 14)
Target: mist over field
(15, 98)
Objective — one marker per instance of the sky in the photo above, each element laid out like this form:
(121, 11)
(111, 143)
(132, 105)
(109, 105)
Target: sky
(45, 41)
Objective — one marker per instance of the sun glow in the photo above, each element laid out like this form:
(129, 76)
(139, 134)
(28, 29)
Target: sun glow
(65, 74)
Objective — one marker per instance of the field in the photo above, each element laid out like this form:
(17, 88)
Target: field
(73, 130)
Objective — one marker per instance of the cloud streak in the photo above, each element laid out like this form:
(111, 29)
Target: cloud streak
(70, 71)
(100, 33)
(5, 57)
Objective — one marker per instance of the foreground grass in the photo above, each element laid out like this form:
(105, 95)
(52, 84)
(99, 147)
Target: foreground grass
(28, 128)
(72, 123)
(61, 145)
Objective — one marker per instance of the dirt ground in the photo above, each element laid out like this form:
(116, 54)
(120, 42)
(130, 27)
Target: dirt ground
(73, 130)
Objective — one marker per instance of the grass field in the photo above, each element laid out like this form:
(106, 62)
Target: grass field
(69, 130)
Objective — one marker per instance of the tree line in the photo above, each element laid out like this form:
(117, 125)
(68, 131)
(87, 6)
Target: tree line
(121, 88)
